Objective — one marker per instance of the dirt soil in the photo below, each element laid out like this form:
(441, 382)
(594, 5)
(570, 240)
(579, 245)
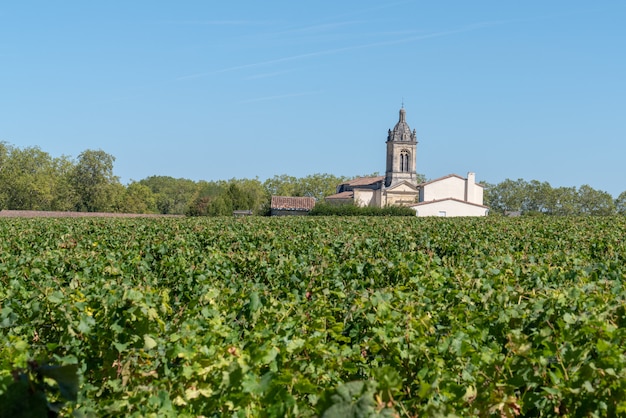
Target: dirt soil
(51, 214)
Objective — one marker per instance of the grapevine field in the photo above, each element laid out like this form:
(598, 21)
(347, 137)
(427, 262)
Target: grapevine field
(328, 316)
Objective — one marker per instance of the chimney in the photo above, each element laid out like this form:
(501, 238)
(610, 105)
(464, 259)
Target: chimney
(470, 186)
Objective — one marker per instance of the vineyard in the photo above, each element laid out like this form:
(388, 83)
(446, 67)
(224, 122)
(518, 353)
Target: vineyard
(318, 316)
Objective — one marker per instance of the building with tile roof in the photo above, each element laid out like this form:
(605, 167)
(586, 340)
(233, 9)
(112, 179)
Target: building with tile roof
(290, 205)
(451, 195)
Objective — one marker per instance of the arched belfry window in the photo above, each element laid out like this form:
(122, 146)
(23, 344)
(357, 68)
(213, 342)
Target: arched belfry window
(404, 161)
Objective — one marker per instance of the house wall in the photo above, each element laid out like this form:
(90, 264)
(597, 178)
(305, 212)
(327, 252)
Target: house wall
(399, 198)
(478, 195)
(401, 194)
(451, 208)
(453, 187)
(367, 197)
(473, 192)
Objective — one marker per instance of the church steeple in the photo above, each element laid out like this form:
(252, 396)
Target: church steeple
(401, 150)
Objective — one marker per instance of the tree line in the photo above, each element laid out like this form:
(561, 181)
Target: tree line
(535, 197)
(31, 179)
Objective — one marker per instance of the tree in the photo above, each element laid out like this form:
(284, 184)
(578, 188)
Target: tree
(246, 194)
(508, 195)
(65, 197)
(3, 158)
(595, 202)
(28, 178)
(565, 201)
(218, 206)
(173, 196)
(315, 185)
(210, 188)
(281, 185)
(94, 182)
(538, 197)
(620, 203)
(210, 200)
(319, 185)
(138, 198)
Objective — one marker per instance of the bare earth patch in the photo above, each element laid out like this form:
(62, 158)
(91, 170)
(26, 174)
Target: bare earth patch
(52, 214)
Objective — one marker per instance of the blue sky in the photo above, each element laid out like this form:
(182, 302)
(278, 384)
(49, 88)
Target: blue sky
(210, 90)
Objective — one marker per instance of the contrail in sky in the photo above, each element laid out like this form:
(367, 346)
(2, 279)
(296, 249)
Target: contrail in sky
(464, 29)
(282, 96)
(339, 50)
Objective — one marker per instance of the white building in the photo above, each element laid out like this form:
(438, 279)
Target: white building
(451, 195)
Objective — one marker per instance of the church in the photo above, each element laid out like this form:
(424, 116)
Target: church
(451, 195)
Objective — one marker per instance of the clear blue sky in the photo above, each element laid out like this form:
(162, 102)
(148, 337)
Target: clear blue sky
(210, 90)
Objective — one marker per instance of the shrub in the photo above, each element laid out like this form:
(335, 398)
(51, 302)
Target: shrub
(325, 209)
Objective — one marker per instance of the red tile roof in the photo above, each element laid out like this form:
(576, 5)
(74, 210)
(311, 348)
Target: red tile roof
(447, 177)
(292, 203)
(342, 195)
(364, 181)
(428, 202)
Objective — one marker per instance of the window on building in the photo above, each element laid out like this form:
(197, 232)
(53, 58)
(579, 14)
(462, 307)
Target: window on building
(442, 213)
(404, 162)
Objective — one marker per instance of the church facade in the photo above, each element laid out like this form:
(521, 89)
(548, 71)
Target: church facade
(451, 195)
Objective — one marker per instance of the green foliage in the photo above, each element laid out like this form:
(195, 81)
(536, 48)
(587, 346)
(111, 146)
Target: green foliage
(31, 179)
(316, 185)
(30, 394)
(353, 400)
(173, 196)
(620, 203)
(327, 209)
(94, 182)
(138, 198)
(310, 316)
(221, 198)
(534, 197)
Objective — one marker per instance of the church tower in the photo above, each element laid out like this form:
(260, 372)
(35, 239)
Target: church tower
(401, 151)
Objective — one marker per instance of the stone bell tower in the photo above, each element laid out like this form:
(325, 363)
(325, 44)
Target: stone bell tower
(401, 151)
